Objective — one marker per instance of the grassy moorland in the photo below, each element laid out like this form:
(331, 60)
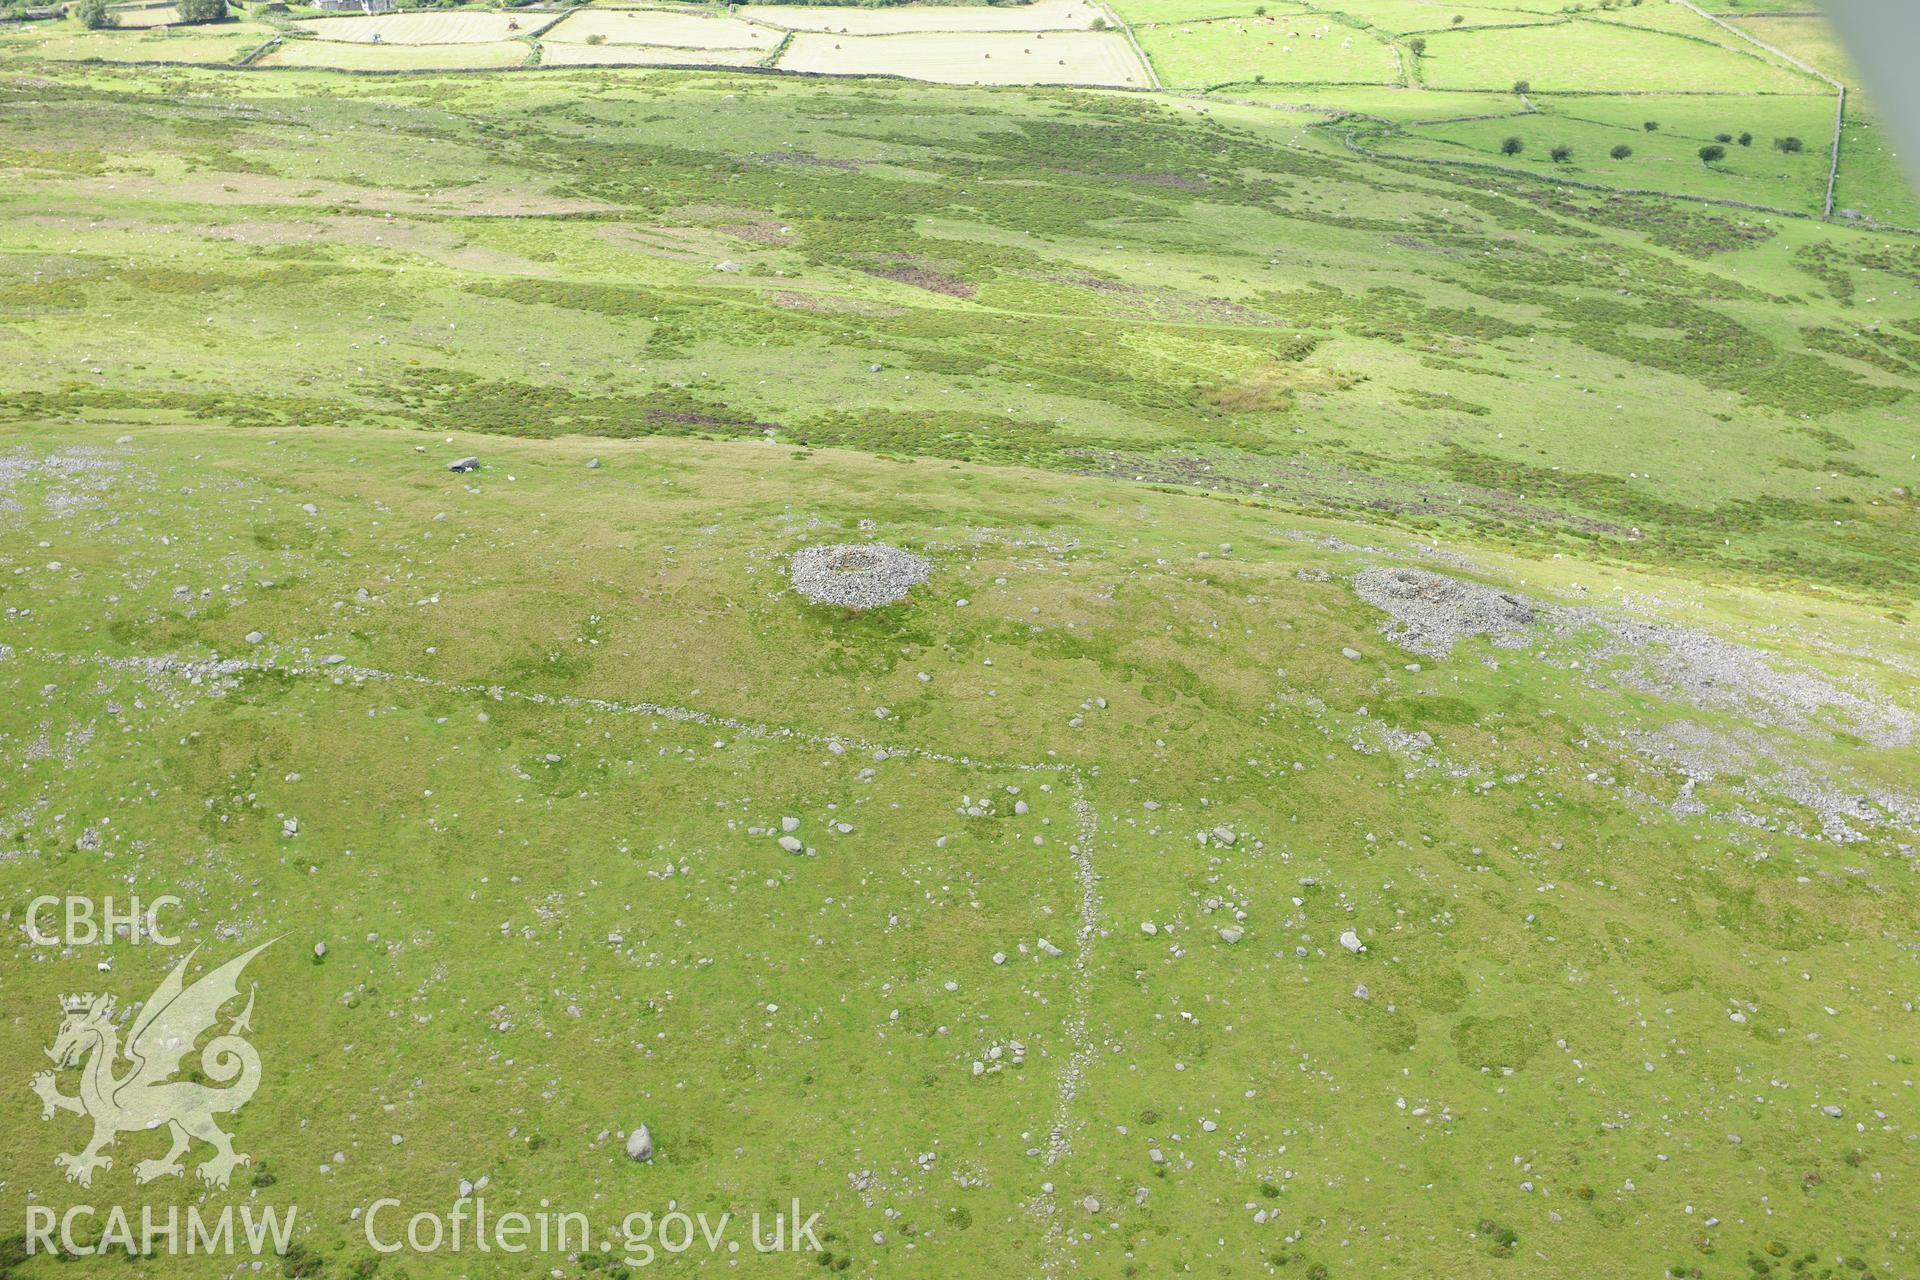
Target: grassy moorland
(1098, 283)
(1607, 988)
(1161, 387)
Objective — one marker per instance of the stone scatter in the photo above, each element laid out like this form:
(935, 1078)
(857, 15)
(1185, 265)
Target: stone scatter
(857, 575)
(1432, 612)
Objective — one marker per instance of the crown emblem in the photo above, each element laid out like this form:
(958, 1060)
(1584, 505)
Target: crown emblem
(77, 1003)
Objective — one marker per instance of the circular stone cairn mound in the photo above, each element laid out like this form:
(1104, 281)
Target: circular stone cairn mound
(857, 575)
(1429, 612)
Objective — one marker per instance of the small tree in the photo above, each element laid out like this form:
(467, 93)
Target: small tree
(1712, 153)
(1561, 154)
(1745, 139)
(1512, 147)
(1419, 46)
(1651, 126)
(1521, 86)
(1621, 152)
(1723, 137)
(201, 10)
(1789, 144)
(1459, 18)
(94, 15)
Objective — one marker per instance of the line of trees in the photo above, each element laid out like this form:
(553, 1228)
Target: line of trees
(1712, 153)
(94, 15)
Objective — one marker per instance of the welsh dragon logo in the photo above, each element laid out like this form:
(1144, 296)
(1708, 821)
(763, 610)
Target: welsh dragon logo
(147, 1096)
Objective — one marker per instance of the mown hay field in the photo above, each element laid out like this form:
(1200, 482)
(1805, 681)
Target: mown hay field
(1042, 15)
(67, 42)
(463, 26)
(140, 16)
(1305, 48)
(344, 56)
(1007, 58)
(655, 26)
(554, 53)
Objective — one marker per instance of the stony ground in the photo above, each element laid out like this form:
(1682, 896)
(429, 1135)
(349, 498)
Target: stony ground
(1088, 684)
(1144, 889)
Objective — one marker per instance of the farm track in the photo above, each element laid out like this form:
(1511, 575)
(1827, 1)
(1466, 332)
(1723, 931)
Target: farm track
(1126, 29)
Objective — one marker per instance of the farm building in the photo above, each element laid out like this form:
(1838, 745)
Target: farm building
(354, 6)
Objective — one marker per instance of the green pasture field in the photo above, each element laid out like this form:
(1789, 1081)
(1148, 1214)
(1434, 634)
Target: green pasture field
(1306, 49)
(1590, 56)
(1666, 159)
(1671, 17)
(1400, 16)
(1872, 180)
(1809, 39)
(1752, 8)
(1142, 12)
(1389, 102)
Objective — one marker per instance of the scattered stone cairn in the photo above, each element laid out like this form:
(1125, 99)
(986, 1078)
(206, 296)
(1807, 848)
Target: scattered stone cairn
(856, 575)
(1431, 612)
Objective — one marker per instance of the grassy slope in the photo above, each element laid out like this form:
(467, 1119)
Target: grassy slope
(1545, 1047)
(1689, 405)
(1100, 284)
